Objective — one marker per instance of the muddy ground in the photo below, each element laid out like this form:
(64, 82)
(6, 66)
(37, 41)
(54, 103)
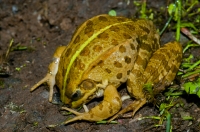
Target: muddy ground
(43, 25)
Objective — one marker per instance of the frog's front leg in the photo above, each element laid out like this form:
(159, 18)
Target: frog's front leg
(160, 72)
(110, 105)
(52, 70)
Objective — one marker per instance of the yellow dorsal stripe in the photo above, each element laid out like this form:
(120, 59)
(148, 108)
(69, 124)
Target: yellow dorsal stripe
(82, 47)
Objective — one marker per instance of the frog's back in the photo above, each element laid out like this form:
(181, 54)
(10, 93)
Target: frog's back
(98, 37)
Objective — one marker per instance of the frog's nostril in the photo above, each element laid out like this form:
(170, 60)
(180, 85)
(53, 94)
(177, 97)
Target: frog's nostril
(76, 95)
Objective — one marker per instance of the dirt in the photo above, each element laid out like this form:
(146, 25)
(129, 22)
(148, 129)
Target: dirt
(42, 26)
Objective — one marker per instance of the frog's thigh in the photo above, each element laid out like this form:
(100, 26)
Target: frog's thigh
(160, 71)
(52, 71)
(110, 105)
(134, 85)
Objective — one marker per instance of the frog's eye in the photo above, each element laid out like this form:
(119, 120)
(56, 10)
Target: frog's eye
(76, 95)
(87, 84)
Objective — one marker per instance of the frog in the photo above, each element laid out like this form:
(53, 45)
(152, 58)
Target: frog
(104, 52)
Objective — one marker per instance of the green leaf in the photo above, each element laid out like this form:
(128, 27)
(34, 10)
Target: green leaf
(173, 10)
(112, 13)
(189, 25)
(193, 87)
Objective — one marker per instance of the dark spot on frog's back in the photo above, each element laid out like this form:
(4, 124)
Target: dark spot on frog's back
(63, 69)
(97, 48)
(127, 36)
(103, 36)
(122, 49)
(114, 42)
(114, 29)
(89, 30)
(117, 64)
(68, 52)
(85, 52)
(127, 59)
(144, 29)
(77, 39)
(100, 63)
(89, 23)
(119, 75)
(108, 70)
(128, 72)
(132, 46)
(103, 18)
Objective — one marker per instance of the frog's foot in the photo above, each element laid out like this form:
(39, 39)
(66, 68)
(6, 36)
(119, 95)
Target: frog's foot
(110, 105)
(135, 106)
(52, 71)
(50, 80)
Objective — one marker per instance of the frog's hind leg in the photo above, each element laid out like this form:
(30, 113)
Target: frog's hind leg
(135, 83)
(159, 72)
(136, 91)
(52, 71)
(110, 105)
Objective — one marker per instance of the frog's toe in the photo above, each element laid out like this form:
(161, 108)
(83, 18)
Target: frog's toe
(71, 110)
(135, 106)
(38, 84)
(50, 80)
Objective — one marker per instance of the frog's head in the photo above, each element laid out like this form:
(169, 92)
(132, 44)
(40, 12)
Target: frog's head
(80, 93)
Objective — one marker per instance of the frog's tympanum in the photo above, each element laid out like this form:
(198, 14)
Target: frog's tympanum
(104, 52)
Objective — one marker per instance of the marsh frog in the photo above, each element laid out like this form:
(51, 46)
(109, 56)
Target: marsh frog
(104, 52)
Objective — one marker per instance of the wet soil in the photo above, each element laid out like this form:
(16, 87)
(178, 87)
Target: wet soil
(43, 25)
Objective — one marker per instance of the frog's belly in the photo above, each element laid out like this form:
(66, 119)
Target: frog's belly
(116, 64)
